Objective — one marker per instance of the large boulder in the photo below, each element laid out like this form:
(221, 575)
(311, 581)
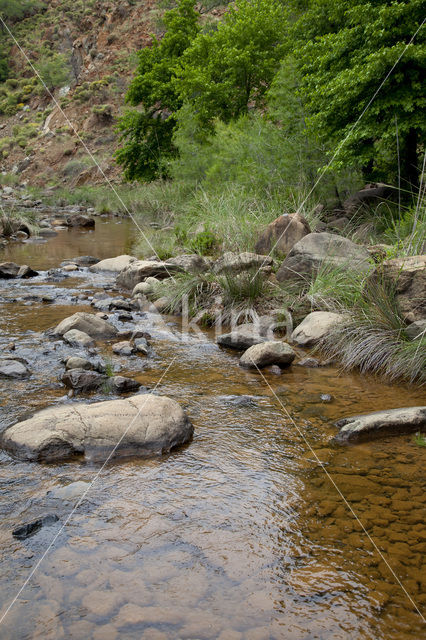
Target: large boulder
(315, 327)
(89, 323)
(80, 221)
(142, 425)
(268, 353)
(307, 256)
(407, 276)
(113, 264)
(370, 196)
(192, 263)
(393, 422)
(282, 234)
(233, 263)
(139, 270)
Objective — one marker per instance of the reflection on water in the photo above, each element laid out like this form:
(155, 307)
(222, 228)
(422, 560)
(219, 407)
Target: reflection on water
(239, 535)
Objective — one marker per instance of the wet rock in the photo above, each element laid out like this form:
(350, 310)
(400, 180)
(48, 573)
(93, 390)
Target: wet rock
(191, 263)
(145, 425)
(266, 354)
(80, 221)
(81, 261)
(77, 338)
(121, 384)
(88, 323)
(83, 380)
(308, 362)
(416, 330)
(10, 270)
(13, 369)
(381, 424)
(124, 348)
(29, 529)
(141, 346)
(238, 262)
(282, 234)
(113, 264)
(141, 269)
(70, 267)
(75, 362)
(69, 491)
(241, 338)
(326, 397)
(315, 327)
(307, 256)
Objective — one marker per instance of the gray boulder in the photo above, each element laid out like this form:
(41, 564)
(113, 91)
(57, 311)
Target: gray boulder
(113, 264)
(143, 425)
(192, 263)
(268, 353)
(243, 337)
(75, 362)
(416, 330)
(82, 380)
(307, 256)
(315, 327)
(139, 270)
(393, 422)
(13, 369)
(89, 323)
(233, 263)
(10, 270)
(124, 348)
(407, 277)
(77, 338)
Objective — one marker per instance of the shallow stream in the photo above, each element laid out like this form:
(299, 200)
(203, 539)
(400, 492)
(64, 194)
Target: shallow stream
(239, 535)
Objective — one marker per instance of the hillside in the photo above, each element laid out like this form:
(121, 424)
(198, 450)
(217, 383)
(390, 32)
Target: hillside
(97, 41)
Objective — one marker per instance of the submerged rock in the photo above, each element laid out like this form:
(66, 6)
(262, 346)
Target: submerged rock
(143, 425)
(29, 529)
(89, 323)
(393, 422)
(269, 353)
(315, 327)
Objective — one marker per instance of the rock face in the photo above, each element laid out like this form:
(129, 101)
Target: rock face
(13, 369)
(394, 422)
(245, 336)
(113, 264)
(10, 270)
(271, 352)
(315, 327)
(144, 425)
(139, 270)
(282, 234)
(408, 277)
(88, 323)
(307, 256)
(192, 263)
(238, 262)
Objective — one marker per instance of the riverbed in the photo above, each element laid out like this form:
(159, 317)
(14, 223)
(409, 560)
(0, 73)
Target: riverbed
(240, 535)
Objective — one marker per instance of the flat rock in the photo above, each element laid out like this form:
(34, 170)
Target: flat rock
(77, 338)
(315, 327)
(139, 270)
(13, 369)
(281, 234)
(89, 323)
(116, 264)
(307, 256)
(370, 426)
(268, 353)
(238, 262)
(245, 336)
(144, 425)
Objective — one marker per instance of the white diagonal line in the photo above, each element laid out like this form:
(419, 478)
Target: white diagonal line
(79, 501)
(348, 505)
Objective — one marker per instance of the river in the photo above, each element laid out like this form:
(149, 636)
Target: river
(240, 535)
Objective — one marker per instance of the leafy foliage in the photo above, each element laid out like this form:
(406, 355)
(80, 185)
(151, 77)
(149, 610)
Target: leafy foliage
(346, 49)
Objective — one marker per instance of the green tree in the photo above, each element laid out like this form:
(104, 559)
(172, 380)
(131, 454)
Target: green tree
(346, 48)
(147, 132)
(226, 71)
